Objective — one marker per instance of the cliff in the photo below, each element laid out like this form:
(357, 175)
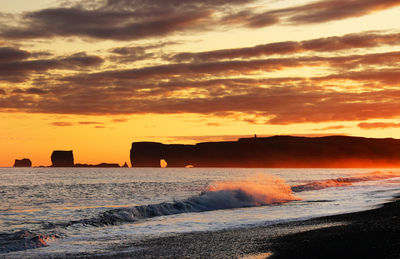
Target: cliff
(60, 158)
(25, 162)
(276, 151)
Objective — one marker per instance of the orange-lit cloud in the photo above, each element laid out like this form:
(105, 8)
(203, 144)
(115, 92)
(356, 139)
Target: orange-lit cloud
(378, 125)
(132, 20)
(330, 10)
(62, 124)
(20, 70)
(329, 44)
(335, 127)
(118, 20)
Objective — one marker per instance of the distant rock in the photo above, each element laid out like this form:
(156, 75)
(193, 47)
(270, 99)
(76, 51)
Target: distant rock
(61, 158)
(25, 162)
(106, 165)
(125, 165)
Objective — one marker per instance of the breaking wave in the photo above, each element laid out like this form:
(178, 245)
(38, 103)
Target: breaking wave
(259, 190)
(255, 191)
(344, 181)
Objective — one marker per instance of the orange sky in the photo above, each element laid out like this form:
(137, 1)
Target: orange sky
(93, 76)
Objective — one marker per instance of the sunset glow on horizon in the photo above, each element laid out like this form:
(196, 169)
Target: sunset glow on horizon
(94, 76)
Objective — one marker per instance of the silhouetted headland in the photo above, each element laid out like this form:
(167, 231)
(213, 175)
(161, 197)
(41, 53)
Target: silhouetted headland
(276, 151)
(25, 162)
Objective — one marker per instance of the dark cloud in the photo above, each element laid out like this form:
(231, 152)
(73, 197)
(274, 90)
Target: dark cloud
(387, 76)
(117, 25)
(330, 10)
(329, 44)
(314, 12)
(130, 54)
(378, 125)
(234, 67)
(249, 19)
(21, 70)
(135, 53)
(117, 20)
(8, 54)
(139, 19)
(34, 90)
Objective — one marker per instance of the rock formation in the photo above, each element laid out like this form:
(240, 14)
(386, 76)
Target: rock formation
(25, 162)
(61, 158)
(106, 165)
(276, 151)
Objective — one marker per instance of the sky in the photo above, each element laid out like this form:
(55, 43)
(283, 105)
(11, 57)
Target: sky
(94, 76)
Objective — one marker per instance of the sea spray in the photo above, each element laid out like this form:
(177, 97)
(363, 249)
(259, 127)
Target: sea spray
(262, 189)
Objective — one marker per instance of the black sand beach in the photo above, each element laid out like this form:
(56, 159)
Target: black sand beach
(373, 233)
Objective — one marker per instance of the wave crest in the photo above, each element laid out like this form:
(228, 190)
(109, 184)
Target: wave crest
(344, 181)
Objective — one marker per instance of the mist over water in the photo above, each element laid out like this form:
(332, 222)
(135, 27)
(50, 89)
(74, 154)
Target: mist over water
(91, 209)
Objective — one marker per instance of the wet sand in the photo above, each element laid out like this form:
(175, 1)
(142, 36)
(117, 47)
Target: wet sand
(369, 234)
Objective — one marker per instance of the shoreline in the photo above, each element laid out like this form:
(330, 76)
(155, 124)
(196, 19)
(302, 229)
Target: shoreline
(373, 233)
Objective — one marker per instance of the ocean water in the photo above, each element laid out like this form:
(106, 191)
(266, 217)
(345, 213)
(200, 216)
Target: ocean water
(53, 211)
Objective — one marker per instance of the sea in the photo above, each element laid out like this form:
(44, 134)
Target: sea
(50, 212)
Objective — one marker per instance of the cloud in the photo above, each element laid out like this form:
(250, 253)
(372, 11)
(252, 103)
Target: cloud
(139, 19)
(274, 105)
(90, 123)
(20, 70)
(178, 88)
(331, 10)
(378, 125)
(128, 54)
(61, 124)
(232, 68)
(387, 76)
(249, 19)
(335, 127)
(117, 20)
(67, 124)
(8, 54)
(329, 44)
(119, 120)
(309, 13)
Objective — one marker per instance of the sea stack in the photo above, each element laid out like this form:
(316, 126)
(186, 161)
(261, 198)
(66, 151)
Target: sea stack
(61, 158)
(25, 162)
